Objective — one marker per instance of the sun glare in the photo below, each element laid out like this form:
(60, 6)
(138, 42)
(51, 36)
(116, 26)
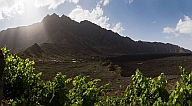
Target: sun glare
(31, 15)
(31, 12)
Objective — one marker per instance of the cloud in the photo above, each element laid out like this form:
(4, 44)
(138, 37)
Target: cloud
(118, 28)
(168, 30)
(10, 7)
(52, 3)
(1, 17)
(130, 1)
(185, 26)
(74, 1)
(104, 2)
(154, 22)
(182, 27)
(96, 16)
(169, 37)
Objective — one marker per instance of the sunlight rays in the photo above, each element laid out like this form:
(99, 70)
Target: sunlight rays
(24, 13)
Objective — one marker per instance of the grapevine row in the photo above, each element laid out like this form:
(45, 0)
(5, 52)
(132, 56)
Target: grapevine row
(22, 87)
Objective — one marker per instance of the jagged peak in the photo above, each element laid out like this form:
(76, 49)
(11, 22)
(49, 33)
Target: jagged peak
(54, 15)
(64, 17)
(88, 33)
(47, 15)
(35, 45)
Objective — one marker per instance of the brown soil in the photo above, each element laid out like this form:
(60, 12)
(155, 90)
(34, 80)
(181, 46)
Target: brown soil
(153, 68)
(149, 68)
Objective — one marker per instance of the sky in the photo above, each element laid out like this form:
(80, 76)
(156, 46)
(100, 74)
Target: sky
(167, 21)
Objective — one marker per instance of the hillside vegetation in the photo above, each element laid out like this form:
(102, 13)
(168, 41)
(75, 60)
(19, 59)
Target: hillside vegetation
(30, 89)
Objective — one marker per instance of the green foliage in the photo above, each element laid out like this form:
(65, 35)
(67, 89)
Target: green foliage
(54, 93)
(109, 101)
(145, 91)
(85, 93)
(19, 78)
(24, 88)
(182, 94)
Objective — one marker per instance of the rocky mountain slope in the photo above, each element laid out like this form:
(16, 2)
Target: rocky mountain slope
(56, 35)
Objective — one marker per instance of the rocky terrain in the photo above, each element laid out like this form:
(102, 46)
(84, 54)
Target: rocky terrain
(58, 36)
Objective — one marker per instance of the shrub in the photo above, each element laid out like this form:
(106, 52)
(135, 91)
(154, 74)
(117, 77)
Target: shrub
(22, 87)
(85, 93)
(54, 93)
(19, 78)
(145, 91)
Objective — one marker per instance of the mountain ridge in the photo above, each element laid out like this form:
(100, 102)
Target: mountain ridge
(72, 38)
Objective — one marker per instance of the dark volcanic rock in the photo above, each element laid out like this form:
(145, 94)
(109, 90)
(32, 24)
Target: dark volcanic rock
(84, 38)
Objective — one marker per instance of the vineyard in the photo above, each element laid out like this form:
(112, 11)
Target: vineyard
(22, 87)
